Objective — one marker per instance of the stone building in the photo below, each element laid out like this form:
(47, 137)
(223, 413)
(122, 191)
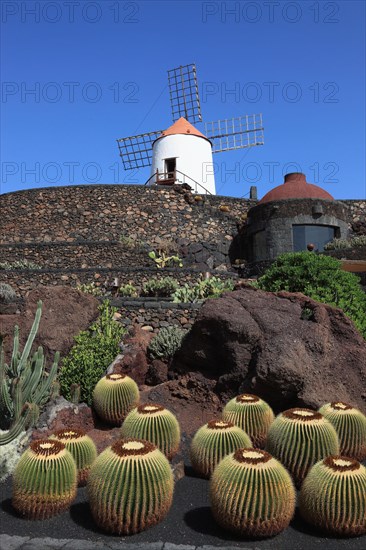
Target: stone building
(292, 216)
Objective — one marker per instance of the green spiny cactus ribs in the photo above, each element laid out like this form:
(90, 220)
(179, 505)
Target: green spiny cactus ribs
(25, 384)
(252, 494)
(333, 496)
(114, 396)
(212, 442)
(350, 425)
(251, 414)
(45, 480)
(155, 424)
(130, 487)
(299, 438)
(82, 448)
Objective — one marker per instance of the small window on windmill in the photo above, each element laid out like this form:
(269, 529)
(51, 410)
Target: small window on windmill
(170, 167)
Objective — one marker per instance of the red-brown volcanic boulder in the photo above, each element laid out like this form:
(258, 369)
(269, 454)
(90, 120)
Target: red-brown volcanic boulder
(285, 347)
(65, 312)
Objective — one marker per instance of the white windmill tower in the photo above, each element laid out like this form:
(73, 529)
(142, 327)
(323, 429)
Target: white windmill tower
(182, 154)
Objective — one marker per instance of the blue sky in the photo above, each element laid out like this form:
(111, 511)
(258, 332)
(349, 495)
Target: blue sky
(98, 72)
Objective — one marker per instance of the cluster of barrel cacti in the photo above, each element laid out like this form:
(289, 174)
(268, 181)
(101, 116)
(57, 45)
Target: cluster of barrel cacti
(254, 473)
(254, 461)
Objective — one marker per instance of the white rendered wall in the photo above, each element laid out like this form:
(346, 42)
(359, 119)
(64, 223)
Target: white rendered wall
(194, 158)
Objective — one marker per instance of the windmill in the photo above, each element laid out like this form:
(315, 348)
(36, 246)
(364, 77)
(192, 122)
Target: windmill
(182, 154)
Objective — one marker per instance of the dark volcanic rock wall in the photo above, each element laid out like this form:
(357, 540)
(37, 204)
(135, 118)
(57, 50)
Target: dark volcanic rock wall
(74, 233)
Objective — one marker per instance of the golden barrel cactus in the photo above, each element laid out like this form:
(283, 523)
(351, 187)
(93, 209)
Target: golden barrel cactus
(44, 480)
(130, 487)
(114, 396)
(251, 414)
(333, 496)
(82, 448)
(252, 494)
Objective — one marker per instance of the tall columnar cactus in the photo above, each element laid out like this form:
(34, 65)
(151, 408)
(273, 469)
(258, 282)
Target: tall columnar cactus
(155, 424)
(44, 480)
(333, 496)
(350, 425)
(252, 414)
(114, 396)
(299, 438)
(82, 448)
(130, 487)
(25, 385)
(212, 442)
(252, 494)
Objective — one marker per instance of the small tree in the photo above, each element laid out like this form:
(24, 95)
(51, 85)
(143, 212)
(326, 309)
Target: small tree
(321, 278)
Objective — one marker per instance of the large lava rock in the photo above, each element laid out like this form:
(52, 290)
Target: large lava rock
(65, 312)
(285, 347)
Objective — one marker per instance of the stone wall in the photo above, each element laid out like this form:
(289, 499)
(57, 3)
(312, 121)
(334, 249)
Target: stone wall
(105, 212)
(156, 314)
(79, 234)
(85, 233)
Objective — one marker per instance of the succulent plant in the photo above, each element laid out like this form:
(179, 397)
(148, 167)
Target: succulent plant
(114, 396)
(44, 480)
(155, 424)
(252, 494)
(7, 293)
(333, 496)
(212, 442)
(252, 414)
(25, 383)
(82, 448)
(130, 487)
(350, 425)
(299, 438)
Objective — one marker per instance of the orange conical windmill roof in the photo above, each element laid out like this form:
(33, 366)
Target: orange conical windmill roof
(182, 126)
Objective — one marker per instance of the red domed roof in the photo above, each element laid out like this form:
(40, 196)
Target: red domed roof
(295, 186)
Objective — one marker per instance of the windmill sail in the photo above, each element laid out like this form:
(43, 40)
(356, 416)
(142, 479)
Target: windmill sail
(235, 133)
(136, 151)
(183, 91)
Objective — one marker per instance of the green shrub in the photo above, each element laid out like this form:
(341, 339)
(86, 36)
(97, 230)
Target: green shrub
(166, 342)
(90, 288)
(321, 278)
(160, 287)
(128, 290)
(203, 289)
(93, 352)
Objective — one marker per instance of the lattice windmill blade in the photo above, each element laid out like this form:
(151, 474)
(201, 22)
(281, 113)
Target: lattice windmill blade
(183, 91)
(136, 151)
(235, 133)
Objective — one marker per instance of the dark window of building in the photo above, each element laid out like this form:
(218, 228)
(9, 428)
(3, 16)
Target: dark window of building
(259, 246)
(319, 235)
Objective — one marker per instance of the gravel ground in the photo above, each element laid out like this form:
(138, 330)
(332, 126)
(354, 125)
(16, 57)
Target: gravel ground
(189, 522)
